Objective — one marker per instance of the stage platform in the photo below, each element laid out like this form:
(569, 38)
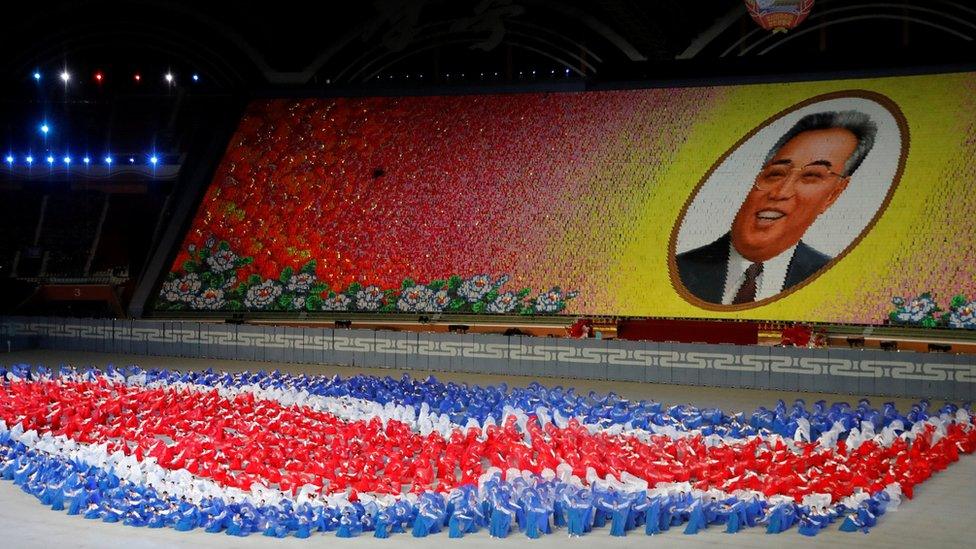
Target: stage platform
(939, 516)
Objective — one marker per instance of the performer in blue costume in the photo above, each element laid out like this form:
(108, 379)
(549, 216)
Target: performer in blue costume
(652, 517)
(618, 507)
(477, 518)
(381, 529)
(781, 518)
(366, 521)
(754, 511)
(218, 521)
(188, 519)
(852, 524)
(808, 527)
(304, 530)
(401, 517)
(459, 522)
(669, 513)
(696, 519)
(581, 512)
(558, 511)
(638, 510)
(236, 526)
(865, 516)
(165, 517)
(736, 517)
(536, 515)
(426, 518)
(503, 512)
(112, 511)
(345, 523)
(78, 500)
(275, 525)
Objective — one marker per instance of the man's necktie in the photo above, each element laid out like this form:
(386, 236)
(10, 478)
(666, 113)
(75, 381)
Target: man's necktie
(747, 292)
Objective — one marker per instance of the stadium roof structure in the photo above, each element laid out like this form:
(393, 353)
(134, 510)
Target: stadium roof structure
(294, 44)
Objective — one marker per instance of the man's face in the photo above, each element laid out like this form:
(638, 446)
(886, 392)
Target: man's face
(777, 211)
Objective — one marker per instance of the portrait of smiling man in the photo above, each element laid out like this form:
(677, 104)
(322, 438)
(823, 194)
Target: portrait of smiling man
(763, 254)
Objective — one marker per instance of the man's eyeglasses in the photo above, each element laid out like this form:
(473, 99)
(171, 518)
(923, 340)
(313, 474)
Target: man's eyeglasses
(811, 174)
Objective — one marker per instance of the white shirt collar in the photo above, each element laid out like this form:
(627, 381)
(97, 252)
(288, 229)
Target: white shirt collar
(768, 283)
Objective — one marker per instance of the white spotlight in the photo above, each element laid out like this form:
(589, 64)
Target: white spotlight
(169, 78)
(65, 76)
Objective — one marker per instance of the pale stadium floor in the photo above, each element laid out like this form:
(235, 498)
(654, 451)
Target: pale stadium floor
(941, 515)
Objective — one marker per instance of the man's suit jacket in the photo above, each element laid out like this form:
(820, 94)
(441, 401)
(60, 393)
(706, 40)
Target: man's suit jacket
(703, 270)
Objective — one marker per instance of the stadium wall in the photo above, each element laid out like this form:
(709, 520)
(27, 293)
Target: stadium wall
(857, 372)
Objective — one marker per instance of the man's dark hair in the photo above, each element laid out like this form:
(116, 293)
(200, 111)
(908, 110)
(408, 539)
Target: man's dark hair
(858, 123)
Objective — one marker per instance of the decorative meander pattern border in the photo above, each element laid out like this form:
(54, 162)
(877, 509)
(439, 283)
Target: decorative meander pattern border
(835, 370)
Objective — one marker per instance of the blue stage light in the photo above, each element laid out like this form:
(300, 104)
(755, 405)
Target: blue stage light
(153, 160)
(10, 159)
(196, 77)
(29, 160)
(132, 160)
(108, 160)
(67, 159)
(86, 160)
(45, 128)
(50, 159)
(37, 76)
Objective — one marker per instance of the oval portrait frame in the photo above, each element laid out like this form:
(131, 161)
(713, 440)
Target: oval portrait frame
(882, 100)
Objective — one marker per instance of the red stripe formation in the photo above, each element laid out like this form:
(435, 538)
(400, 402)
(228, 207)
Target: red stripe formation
(246, 442)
